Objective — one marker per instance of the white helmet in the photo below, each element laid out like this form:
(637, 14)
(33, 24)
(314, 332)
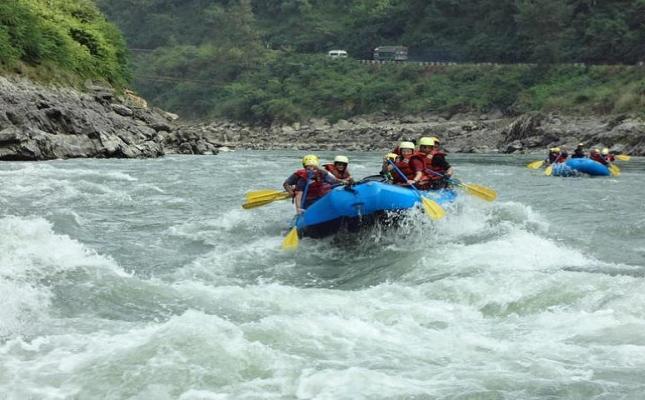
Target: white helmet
(406, 145)
(341, 159)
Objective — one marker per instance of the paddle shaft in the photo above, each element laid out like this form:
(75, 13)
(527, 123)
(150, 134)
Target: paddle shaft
(451, 180)
(405, 178)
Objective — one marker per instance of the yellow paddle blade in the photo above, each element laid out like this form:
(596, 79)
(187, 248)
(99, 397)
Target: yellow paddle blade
(255, 204)
(267, 199)
(269, 196)
(614, 170)
(432, 209)
(261, 193)
(291, 241)
(549, 170)
(536, 164)
(480, 191)
(623, 157)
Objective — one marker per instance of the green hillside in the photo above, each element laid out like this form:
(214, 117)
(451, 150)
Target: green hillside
(61, 40)
(263, 60)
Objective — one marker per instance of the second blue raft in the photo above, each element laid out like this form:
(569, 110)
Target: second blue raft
(360, 205)
(575, 166)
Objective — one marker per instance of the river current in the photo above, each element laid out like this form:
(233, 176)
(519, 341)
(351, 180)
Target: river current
(145, 279)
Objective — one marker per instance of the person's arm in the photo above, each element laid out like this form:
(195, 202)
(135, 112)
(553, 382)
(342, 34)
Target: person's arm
(329, 177)
(298, 202)
(417, 166)
(417, 178)
(290, 184)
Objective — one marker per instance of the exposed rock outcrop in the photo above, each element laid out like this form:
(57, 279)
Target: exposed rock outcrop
(42, 123)
(466, 133)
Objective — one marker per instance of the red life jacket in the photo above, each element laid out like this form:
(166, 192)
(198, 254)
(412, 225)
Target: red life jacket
(610, 158)
(599, 158)
(439, 171)
(317, 185)
(561, 157)
(405, 165)
(334, 171)
(553, 157)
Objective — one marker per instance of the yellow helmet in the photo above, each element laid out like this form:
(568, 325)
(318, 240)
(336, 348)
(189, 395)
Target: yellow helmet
(391, 156)
(605, 151)
(310, 160)
(595, 151)
(556, 149)
(435, 139)
(581, 145)
(341, 159)
(426, 141)
(406, 145)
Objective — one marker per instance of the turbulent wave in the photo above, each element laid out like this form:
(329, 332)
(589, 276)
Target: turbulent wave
(33, 259)
(152, 282)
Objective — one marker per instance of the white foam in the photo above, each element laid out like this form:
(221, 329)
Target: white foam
(29, 252)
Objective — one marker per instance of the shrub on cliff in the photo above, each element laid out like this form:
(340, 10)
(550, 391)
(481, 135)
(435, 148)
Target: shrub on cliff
(69, 36)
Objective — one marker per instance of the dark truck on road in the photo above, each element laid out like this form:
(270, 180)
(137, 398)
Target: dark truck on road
(391, 53)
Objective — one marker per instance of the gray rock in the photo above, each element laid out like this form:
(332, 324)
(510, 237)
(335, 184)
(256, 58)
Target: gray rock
(39, 123)
(472, 134)
(122, 110)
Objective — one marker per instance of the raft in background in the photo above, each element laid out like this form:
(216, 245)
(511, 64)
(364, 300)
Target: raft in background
(576, 166)
(361, 205)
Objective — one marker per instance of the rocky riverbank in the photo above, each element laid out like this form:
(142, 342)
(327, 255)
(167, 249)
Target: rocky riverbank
(42, 123)
(465, 133)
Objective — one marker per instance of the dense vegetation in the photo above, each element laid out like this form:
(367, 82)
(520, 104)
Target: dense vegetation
(263, 60)
(594, 31)
(61, 40)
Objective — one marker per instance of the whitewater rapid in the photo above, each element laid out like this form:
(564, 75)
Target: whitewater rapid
(144, 279)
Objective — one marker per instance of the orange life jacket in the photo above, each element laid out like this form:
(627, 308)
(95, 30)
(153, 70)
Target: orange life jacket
(405, 165)
(599, 158)
(334, 171)
(317, 185)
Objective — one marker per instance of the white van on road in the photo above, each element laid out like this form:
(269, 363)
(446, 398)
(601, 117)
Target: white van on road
(337, 54)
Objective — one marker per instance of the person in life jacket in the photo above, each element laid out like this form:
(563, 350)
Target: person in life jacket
(562, 156)
(387, 170)
(438, 168)
(554, 154)
(607, 155)
(579, 152)
(412, 165)
(339, 169)
(317, 182)
(596, 156)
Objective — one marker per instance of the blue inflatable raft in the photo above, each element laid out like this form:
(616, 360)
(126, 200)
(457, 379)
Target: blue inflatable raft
(575, 166)
(361, 205)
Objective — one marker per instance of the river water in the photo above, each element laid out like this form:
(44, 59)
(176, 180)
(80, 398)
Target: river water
(144, 279)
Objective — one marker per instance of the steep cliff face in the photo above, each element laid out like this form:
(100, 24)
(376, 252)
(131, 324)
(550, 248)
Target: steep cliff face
(42, 123)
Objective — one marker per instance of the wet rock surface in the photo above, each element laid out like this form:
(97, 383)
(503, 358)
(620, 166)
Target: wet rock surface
(43, 123)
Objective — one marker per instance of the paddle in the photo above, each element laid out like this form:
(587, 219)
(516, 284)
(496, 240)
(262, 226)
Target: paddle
(623, 157)
(291, 241)
(261, 193)
(613, 169)
(483, 192)
(549, 170)
(432, 209)
(259, 201)
(535, 164)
